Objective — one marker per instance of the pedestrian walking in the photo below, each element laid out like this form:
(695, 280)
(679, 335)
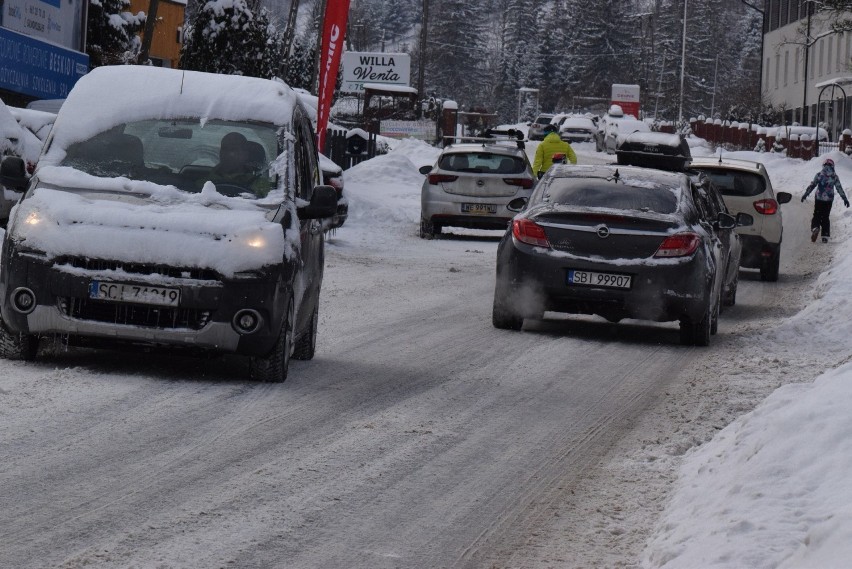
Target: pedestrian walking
(825, 182)
(552, 144)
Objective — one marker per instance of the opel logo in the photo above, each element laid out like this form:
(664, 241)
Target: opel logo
(480, 182)
(602, 231)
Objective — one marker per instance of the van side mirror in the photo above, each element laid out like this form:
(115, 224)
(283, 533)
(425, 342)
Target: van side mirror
(13, 173)
(517, 204)
(746, 220)
(323, 204)
(726, 221)
(783, 197)
(425, 170)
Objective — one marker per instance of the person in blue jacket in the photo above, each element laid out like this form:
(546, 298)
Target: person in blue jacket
(825, 182)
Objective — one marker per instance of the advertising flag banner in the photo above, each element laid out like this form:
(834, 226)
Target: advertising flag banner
(333, 30)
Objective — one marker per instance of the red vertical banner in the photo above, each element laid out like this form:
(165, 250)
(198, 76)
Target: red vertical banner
(333, 30)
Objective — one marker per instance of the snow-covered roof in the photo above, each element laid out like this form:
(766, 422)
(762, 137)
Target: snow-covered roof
(390, 88)
(113, 95)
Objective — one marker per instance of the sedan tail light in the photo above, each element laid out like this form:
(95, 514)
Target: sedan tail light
(678, 245)
(766, 207)
(436, 179)
(525, 183)
(529, 232)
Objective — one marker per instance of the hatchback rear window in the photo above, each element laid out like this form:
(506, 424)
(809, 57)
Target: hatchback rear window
(543, 120)
(482, 163)
(736, 183)
(585, 192)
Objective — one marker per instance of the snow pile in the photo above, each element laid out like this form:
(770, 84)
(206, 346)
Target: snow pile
(773, 489)
(384, 190)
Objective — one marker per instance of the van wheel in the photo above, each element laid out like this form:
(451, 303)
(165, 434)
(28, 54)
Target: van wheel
(305, 346)
(17, 346)
(272, 368)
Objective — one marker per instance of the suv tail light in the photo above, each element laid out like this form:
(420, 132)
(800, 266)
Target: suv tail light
(529, 232)
(766, 207)
(678, 245)
(436, 179)
(525, 183)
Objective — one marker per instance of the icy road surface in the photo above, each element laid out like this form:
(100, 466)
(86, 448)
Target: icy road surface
(419, 436)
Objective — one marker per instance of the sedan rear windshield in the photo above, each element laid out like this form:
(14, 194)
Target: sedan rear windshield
(589, 192)
(482, 163)
(736, 183)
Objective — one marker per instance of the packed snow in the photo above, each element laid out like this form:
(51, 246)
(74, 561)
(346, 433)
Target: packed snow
(772, 489)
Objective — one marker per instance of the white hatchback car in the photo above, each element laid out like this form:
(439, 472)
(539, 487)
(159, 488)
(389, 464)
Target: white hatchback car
(472, 183)
(746, 188)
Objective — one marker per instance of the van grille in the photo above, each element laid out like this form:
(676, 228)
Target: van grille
(162, 317)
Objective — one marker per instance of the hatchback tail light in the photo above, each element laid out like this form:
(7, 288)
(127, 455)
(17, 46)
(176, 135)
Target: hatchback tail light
(678, 245)
(436, 179)
(529, 232)
(525, 183)
(766, 207)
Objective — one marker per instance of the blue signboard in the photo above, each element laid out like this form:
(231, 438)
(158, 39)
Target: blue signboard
(40, 69)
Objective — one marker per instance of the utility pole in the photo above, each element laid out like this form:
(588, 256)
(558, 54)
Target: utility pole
(682, 64)
(421, 64)
(148, 35)
(715, 75)
(289, 33)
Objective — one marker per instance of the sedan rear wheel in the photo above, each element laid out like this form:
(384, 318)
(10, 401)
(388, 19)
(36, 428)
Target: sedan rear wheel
(502, 315)
(694, 333)
(770, 267)
(428, 230)
(272, 368)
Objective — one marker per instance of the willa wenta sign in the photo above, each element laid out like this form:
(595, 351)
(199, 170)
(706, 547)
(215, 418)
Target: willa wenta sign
(383, 68)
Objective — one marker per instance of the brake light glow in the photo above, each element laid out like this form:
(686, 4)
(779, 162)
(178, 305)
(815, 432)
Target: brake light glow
(436, 179)
(766, 207)
(529, 232)
(678, 245)
(525, 183)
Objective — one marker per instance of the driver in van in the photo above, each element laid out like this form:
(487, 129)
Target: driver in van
(235, 167)
(552, 144)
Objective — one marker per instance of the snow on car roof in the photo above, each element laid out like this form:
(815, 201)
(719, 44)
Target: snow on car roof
(116, 94)
(659, 138)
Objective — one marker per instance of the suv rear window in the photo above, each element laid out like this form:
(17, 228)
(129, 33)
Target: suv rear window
(543, 120)
(482, 163)
(736, 183)
(605, 194)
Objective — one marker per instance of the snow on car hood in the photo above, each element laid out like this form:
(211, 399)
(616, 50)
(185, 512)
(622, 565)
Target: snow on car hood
(204, 230)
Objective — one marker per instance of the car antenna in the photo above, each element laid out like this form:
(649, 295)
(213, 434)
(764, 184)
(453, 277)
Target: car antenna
(720, 155)
(182, 75)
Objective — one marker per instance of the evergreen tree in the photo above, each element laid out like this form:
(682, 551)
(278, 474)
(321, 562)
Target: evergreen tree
(111, 35)
(232, 39)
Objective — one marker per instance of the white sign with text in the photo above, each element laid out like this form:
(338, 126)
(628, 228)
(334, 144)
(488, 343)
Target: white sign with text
(370, 67)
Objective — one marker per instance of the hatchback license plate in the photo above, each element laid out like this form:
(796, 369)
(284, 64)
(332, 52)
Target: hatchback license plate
(137, 294)
(606, 280)
(479, 208)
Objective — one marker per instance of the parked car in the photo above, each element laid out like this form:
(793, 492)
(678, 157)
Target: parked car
(186, 216)
(746, 187)
(471, 184)
(22, 134)
(607, 136)
(577, 129)
(671, 152)
(616, 241)
(332, 175)
(536, 130)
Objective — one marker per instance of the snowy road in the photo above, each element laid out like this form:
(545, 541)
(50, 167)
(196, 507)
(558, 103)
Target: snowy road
(419, 436)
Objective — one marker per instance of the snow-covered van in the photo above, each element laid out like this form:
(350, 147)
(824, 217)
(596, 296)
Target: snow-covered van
(170, 208)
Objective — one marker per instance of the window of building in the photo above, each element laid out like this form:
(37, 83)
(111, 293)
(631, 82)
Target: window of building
(785, 13)
(828, 60)
(777, 69)
(766, 73)
(821, 52)
(786, 65)
(774, 13)
(797, 61)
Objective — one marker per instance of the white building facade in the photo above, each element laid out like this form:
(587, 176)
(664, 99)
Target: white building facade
(796, 77)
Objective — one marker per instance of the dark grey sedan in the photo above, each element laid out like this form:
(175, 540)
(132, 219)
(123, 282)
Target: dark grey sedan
(616, 241)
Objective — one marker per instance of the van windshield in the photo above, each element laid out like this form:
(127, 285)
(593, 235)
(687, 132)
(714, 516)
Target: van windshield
(235, 156)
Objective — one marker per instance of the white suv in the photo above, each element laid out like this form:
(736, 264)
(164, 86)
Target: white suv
(746, 188)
